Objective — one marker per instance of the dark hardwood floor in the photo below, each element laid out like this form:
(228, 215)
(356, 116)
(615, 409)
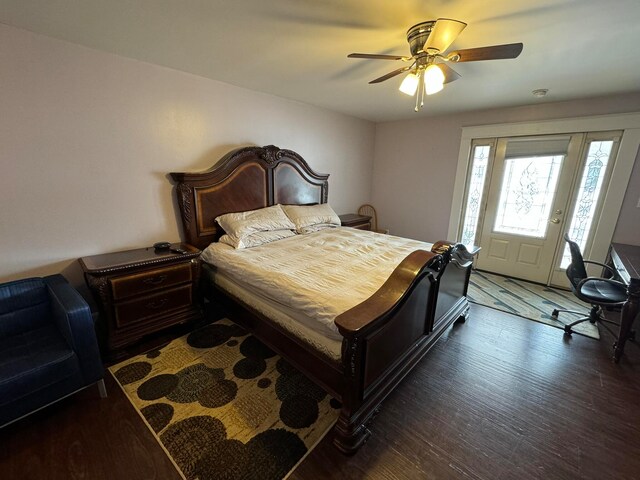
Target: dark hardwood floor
(84, 437)
(498, 397)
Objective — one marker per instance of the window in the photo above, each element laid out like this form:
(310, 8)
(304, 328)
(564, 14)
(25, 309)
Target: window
(589, 188)
(476, 183)
(528, 188)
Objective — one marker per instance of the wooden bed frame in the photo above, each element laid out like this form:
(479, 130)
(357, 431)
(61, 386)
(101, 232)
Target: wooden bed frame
(384, 336)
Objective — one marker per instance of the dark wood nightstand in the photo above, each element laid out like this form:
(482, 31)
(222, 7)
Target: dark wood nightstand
(353, 220)
(142, 291)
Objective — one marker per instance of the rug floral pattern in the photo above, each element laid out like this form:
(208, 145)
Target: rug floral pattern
(225, 406)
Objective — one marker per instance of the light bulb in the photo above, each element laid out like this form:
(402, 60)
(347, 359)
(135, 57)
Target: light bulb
(410, 84)
(433, 79)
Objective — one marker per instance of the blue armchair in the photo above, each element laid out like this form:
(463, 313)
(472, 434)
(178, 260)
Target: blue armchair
(48, 347)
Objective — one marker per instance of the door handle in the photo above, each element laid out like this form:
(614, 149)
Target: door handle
(555, 220)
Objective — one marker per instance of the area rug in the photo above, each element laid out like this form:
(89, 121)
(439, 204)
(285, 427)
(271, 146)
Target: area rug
(224, 406)
(528, 300)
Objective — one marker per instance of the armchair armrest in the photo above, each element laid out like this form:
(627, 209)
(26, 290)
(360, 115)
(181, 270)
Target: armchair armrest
(73, 318)
(604, 265)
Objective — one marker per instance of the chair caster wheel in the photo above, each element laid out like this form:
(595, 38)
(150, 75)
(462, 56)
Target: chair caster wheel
(567, 330)
(554, 314)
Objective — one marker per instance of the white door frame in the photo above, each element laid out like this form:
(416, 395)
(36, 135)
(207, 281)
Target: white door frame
(614, 195)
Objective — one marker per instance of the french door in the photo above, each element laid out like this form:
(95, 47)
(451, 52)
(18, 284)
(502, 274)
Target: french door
(523, 193)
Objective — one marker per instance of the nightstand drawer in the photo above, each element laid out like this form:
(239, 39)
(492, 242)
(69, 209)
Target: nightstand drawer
(155, 305)
(352, 220)
(362, 226)
(129, 285)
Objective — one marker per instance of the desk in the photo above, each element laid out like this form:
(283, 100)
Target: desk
(626, 260)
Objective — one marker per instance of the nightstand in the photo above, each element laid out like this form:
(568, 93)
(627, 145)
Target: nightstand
(142, 291)
(353, 220)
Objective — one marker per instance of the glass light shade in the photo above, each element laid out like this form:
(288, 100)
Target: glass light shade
(433, 79)
(410, 84)
(443, 34)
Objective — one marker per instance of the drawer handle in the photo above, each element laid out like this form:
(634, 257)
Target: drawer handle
(155, 280)
(157, 304)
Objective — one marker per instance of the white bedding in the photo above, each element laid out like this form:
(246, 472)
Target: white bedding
(320, 275)
(293, 322)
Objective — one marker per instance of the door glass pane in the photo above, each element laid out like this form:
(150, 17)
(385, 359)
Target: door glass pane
(528, 189)
(588, 194)
(474, 196)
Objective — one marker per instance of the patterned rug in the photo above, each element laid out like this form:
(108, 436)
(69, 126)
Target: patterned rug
(224, 406)
(529, 300)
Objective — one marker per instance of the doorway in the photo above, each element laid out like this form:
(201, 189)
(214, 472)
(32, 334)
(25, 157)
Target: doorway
(523, 193)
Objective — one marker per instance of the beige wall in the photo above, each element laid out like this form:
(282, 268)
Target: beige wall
(628, 227)
(87, 139)
(415, 165)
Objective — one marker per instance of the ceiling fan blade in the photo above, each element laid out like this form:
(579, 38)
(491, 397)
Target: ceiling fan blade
(443, 33)
(375, 56)
(449, 73)
(495, 52)
(391, 74)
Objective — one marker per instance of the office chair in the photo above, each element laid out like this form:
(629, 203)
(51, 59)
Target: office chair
(597, 291)
(369, 211)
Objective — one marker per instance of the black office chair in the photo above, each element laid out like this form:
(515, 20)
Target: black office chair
(597, 291)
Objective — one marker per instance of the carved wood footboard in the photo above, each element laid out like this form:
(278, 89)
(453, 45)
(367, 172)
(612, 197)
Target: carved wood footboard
(387, 334)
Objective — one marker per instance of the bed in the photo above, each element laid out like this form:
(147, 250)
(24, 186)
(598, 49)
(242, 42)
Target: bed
(379, 340)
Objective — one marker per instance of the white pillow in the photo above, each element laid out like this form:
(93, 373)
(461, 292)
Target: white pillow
(317, 228)
(256, 239)
(241, 224)
(307, 215)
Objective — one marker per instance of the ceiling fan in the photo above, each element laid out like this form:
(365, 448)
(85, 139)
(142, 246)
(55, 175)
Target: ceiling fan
(427, 63)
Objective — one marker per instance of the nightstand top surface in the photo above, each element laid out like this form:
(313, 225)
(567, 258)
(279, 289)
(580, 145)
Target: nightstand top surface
(111, 262)
(353, 217)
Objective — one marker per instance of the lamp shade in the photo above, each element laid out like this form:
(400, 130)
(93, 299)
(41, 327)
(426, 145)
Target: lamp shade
(433, 79)
(410, 84)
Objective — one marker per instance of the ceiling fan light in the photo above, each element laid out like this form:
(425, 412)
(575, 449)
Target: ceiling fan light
(443, 34)
(433, 79)
(410, 84)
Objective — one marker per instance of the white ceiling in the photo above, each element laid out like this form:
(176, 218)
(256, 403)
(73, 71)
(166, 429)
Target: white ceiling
(298, 49)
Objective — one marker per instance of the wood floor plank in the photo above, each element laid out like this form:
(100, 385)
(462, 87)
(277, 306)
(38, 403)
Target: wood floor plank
(84, 437)
(503, 398)
(498, 398)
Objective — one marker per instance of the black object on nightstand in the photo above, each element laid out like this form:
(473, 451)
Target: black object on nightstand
(143, 291)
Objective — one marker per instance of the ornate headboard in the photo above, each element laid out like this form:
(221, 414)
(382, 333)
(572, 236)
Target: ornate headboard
(244, 179)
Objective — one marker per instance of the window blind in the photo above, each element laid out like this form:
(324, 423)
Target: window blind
(537, 146)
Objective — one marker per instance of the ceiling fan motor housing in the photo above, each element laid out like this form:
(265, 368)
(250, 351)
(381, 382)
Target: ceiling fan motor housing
(428, 69)
(417, 36)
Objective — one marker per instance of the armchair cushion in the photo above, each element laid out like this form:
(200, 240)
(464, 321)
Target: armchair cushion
(33, 361)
